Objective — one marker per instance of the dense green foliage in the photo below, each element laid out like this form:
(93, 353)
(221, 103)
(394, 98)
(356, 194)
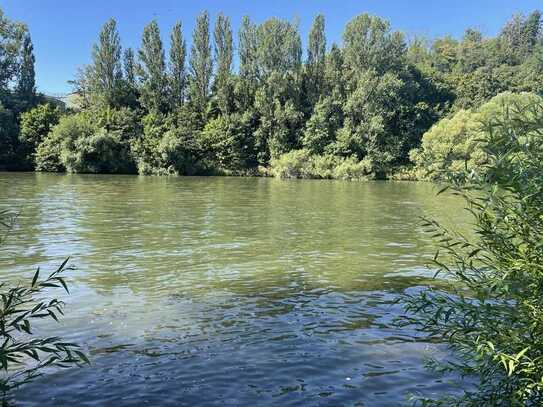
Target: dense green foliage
(24, 356)
(491, 315)
(454, 143)
(303, 164)
(36, 124)
(163, 109)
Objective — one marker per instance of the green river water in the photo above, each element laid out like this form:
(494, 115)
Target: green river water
(237, 291)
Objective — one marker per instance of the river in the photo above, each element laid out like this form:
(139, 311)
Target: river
(229, 291)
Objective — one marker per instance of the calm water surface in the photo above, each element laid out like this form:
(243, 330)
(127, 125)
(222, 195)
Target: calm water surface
(214, 291)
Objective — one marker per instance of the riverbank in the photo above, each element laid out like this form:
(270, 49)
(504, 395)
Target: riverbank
(348, 170)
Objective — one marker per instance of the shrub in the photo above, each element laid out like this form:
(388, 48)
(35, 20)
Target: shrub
(79, 144)
(47, 157)
(294, 164)
(178, 153)
(449, 145)
(145, 147)
(352, 169)
(302, 164)
(229, 143)
(101, 152)
(453, 144)
(323, 166)
(169, 144)
(35, 126)
(491, 315)
(61, 140)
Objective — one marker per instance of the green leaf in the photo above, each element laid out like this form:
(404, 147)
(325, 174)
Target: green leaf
(82, 356)
(61, 280)
(36, 275)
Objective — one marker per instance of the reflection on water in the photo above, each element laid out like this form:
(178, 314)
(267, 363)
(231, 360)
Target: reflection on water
(234, 291)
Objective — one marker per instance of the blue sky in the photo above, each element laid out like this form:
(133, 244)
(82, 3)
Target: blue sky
(63, 31)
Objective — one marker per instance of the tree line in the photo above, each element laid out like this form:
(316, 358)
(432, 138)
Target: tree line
(354, 110)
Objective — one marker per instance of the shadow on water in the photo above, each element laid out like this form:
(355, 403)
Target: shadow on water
(230, 290)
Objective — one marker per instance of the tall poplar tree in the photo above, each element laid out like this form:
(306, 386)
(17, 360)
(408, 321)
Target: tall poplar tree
(201, 64)
(129, 67)
(248, 48)
(178, 74)
(26, 84)
(248, 62)
(316, 54)
(224, 54)
(130, 94)
(152, 70)
(106, 68)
